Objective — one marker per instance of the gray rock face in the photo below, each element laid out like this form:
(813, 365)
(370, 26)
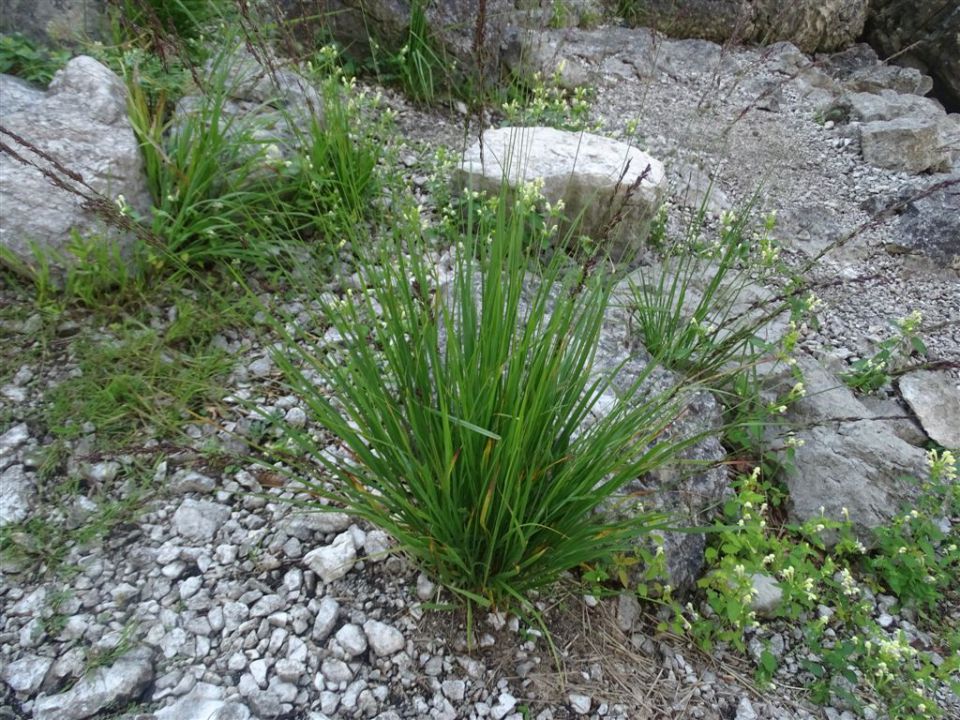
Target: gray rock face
(18, 94)
(909, 144)
(695, 189)
(452, 25)
(935, 399)
(811, 25)
(887, 105)
(82, 122)
(901, 131)
(847, 459)
(859, 69)
(54, 20)
(591, 174)
(924, 34)
(689, 489)
(118, 684)
(928, 226)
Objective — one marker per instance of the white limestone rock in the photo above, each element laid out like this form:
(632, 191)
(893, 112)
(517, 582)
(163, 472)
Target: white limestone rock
(326, 619)
(26, 674)
(17, 495)
(844, 469)
(384, 639)
(12, 439)
(116, 685)
(767, 594)
(199, 520)
(594, 176)
(82, 122)
(204, 702)
(908, 144)
(352, 640)
(333, 561)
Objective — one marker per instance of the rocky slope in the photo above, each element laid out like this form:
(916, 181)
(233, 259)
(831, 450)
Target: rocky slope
(222, 600)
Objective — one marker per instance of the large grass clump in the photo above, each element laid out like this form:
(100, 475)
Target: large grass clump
(461, 411)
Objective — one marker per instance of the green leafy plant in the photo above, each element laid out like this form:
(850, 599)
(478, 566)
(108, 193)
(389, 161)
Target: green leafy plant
(872, 373)
(858, 659)
(22, 57)
(458, 411)
(917, 560)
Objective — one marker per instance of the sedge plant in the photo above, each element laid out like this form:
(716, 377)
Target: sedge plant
(458, 411)
(698, 310)
(247, 187)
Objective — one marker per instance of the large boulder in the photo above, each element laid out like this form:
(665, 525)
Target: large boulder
(81, 122)
(811, 25)
(924, 34)
(901, 131)
(610, 188)
(859, 69)
(908, 144)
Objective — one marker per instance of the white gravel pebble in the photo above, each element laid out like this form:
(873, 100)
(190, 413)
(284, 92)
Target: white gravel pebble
(384, 639)
(352, 640)
(333, 561)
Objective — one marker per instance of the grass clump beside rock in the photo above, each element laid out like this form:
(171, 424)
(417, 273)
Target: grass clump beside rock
(253, 186)
(458, 407)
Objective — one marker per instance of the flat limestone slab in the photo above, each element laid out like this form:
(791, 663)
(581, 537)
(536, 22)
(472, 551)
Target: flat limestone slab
(935, 399)
(605, 183)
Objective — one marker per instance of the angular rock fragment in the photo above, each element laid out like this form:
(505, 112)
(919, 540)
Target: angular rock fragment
(935, 399)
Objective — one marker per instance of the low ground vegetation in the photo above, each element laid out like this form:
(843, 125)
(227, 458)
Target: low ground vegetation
(457, 411)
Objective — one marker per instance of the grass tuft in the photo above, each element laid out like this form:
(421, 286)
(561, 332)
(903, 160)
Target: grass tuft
(459, 410)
